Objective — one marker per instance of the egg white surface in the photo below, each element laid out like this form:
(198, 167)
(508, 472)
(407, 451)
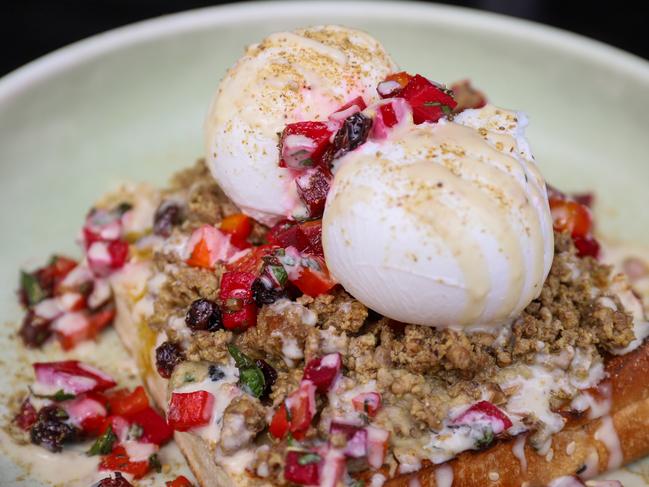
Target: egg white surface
(288, 77)
(443, 224)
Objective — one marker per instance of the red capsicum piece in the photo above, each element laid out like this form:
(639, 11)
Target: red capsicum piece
(118, 461)
(154, 427)
(125, 403)
(239, 310)
(368, 403)
(239, 227)
(180, 481)
(305, 144)
(314, 282)
(302, 468)
(429, 103)
(72, 376)
(570, 216)
(296, 413)
(190, 410)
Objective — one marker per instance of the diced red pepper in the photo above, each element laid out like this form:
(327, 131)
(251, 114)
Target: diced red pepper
(86, 412)
(348, 109)
(154, 427)
(279, 425)
(586, 246)
(429, 103)
(239, 310)
(239, 227)
(74, 328)
(72, 377)
(125, 403)
(252, 261)
(302, 468)
(323, 371)
(180, 481)
(368, 403)
(570, 216)
(484, 411)
(301, 406)
(118, 461)
(190, 410)
(312, 188)
(387, 115)
(200, 256)
(306, 144)
(314, 282)
(27, 415)
(467, 96)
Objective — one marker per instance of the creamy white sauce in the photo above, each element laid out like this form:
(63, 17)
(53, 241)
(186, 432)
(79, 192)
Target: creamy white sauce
(592, 465)
(518, 449)
(307, 317)
(607, 434)
(377, 480)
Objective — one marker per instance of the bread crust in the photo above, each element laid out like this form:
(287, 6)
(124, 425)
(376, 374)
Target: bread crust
(575, 450)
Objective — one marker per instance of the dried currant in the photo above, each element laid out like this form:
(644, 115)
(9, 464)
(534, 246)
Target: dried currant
(264, 295)
(270, 376)
(167, 216)
(353, 133)
(51, 431)
(117, 481)
(167, 356)
(34, 330)
(27, 415)
(204, 314)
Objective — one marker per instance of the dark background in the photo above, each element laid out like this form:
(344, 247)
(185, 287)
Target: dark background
(31, 28)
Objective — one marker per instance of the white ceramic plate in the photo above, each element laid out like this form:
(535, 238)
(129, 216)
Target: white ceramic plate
(129, 104)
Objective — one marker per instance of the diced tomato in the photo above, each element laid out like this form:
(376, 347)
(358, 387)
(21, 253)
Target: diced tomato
(101, 319)
(279, 424)
(118, 424)
(429, 103)
(180, 481)
(312, 188)
(190, 410)
(27, 415)
(239, 310)
(306, 237)
(154, 427)
(569, 216)
(302, 468)
(306, 144)
(323, 371)
(358, 102)
(586, 246)
(387, 114)
(301, 406)
(118, 461)
(125, 403)
(86, 412)
(368, 403)
(251, 261)
(485, 412)
(467, 96)
(239, 227)
(72, 376)
(314, 282)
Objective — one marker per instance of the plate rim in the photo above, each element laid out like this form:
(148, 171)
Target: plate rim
(59, 60)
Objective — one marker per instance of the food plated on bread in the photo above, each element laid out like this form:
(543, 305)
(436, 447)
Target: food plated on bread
(366, 281)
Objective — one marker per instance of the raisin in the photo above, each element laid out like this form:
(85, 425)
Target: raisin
(51, 431)
(204, 314)
(353, 133)
(167, 216)
(215, 372)
(117, 481)
(167, 356)
(34, 330)
(270, 376)
(263, 295)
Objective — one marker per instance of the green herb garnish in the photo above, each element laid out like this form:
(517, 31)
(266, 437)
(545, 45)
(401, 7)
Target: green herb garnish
(32, 288)
(154, 463)
(135, 432)
(251, 377)
(309, 458)
(104, 444)
(58, 396)
(486, 440)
